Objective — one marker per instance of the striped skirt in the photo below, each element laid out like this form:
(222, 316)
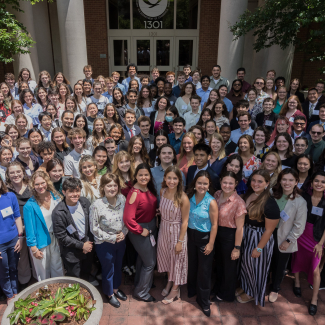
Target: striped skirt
(254, 271)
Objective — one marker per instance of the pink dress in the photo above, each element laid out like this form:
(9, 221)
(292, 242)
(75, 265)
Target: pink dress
(170, 227)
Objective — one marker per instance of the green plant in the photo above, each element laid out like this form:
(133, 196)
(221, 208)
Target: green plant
(82, 307)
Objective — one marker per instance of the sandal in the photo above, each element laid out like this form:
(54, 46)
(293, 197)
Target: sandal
(243, 298)
(238, 292)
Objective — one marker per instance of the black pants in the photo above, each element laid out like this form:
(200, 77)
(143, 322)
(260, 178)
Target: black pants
(130, 256)
(226, 279)
(199, 267)
(278, 265)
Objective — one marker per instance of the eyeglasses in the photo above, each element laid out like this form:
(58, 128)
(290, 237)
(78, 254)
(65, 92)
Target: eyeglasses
(318, 133)
(290, 102)
(299, 123)
(259, 83)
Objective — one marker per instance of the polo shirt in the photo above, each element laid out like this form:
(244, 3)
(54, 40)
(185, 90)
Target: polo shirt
(33, 112)
(191, 119)
(204, 95)
(100, 103)
(236, 134)
(71, 163)
(108, 96)
(46, 134)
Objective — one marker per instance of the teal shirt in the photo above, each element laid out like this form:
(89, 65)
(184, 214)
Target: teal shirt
(278, 107)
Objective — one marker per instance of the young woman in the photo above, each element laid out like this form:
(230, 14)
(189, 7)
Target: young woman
(29, 162)
(254, 106)
(6, 155)
(103, 162)
(281, 99)
(50, 108)
(257, 247)
(22, 124)
(14, 134)
(17, 183)
(157, 117)
(11, 241)
(46, 150)
(172, 240)
(116, 132)
(109, 230)
(270, 88)
(220, 113)
(260, 137)
(139, 218)
(44, 80)
(246, 152)
(118, 98)
(35, 137)
(231, 218)
(154, 91)
(4, 109)
(272, 164)
(304, 165)
(41, 97)
(87, 88)
(111, 147)
(300, 146)
(60, 79)
(198, 131)
(210, 129)
(92, 114)
(90, 178)
(294, 89)
(201, 232)
(55, 170)
(24, 76)
(110, 116)
(206, 115)
(283, 146)
(64, 93)
(161, 138)
(183, 102)
(71, 105)
(62, 149)
(23, 85)
(98, 135)
(292, 108)
(16, 109)
(81, 99)
(281, 125)
(145, 101)
(138, 152)
(134, 84)
(167, 125)
(310, 243)
(213, 97)
(6, 94)
(44, 247)
(218, 157)
(185, 158)
(31, 108)
(81, 122)
(293, 215)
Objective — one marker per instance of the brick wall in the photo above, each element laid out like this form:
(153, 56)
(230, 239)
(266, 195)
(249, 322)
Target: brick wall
(209, 34)
(5, 68)
(96, 35)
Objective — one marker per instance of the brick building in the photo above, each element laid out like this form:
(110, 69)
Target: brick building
(109, 34)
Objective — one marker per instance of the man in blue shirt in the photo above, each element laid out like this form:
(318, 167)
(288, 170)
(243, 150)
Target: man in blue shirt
(204, 91)
(175, 138)
(244, 119)
(181, 80)
(131, 69)
(116, 77)
(187, 71)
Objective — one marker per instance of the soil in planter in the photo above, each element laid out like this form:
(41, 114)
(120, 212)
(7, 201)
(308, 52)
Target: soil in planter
(53, 289)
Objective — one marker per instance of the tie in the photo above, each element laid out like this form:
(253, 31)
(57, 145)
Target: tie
(311, 110)
(132, 134)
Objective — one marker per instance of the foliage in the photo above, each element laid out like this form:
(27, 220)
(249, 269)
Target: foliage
(49, 310)
(279, 22)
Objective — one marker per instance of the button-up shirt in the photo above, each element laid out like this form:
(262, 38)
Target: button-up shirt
(198, 170)
(175, 143)
(118, 85)
(220, 82)
(204, 94)
(33, 112)
(191, 119)
(228, 104)
(46, 134)
(71, 162)
(236, 134)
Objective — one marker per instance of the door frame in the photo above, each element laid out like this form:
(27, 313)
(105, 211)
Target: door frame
(112, 66)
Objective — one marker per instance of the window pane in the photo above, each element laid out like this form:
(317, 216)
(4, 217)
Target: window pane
(160, 16)
(185, 54)
(120, 52)
(186, 14)
(119, 14)
(143, 52)
(163, 52)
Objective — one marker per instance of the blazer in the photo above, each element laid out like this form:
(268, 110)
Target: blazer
(214, 177)
(299, 94)
(71, 245)
(293, 228)
(260, 119)
(305, 110)
(37, 233)
(126, 132)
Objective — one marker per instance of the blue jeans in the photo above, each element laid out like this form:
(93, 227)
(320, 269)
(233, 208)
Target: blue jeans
(8, 268)
(111, 258)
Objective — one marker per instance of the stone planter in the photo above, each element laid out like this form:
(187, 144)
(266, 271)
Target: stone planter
(95, 315)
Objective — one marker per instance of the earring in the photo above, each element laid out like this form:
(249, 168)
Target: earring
(265, 188)
(194, 188)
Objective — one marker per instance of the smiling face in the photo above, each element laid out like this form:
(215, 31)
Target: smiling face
(24, 150)
(144, 127)
(13, 133)
(318, 184)
(300, 147)
(303, 165)
(88, 169)
(137, 146)
(166, 155)
(206, 116)
(269, 84)
(16, 174)
(124, 165)
(47, 155)
(233, 166)
(70, 105)
(99, 126)
(270, 163)
(67, 119)
(116, 134)
(210, 127)
(215, 145)
(40, 185)
(202, 185)
(258, 184)
(288, 183)
(162, 104)
(243, 122)
(160, 140)
(21, 124)
(228, 184)
(5, 89)
(198, 134)
(267, 107)
(80, 122)
(316, 133)
(252, 96)
(78, 141)
(201, 158)
(243, 145)
(171, 180)
(35, 138)
(129, 119)
(216, 72)
(58, 138)
(259, 137)
(111, 189)
(92, 110)
(188, 144)
(155, 74)
(56, 173)
(25, 75)
(282, 144)
(299, 126)
(143, 177)
(259, 84)
(282, 126)
(72, 196)
(5, 157)
(46, 122)
(28, 98)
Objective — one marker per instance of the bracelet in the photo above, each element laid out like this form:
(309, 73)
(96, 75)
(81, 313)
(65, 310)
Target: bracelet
(35, 251)
(259, 249)
(21, 235)
(181, 241)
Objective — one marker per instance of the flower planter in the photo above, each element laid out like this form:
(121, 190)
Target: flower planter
(95, 315)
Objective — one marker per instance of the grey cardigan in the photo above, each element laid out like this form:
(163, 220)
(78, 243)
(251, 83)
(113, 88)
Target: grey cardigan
(293, 228)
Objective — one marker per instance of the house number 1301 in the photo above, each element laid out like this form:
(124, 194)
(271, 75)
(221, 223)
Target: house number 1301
(153, 24)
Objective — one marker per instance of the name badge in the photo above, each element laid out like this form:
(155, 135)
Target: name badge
(284, 216)
(28, 172)
(284, 167)
(316, 112)
(184, 107)
(152, 240)
(152, 146)
(71, 229)
(317, 211)
(1, 114)
(291, 119)
(268, 123)
(7, 212)
(248, 173)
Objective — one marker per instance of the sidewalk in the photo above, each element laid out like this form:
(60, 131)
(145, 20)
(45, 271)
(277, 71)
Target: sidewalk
(287, 310)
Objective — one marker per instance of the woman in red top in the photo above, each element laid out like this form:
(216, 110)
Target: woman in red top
(139, 218)
(291, 109)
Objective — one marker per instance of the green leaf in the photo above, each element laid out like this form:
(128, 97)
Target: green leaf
(62, 311)
(58, 294)
(73, 302)
(17, 317)
(47, 311)
(71, 295)
(81, 299)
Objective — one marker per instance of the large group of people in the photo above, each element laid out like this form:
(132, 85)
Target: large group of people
(219, 185)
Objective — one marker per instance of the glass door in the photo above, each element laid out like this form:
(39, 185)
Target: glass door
(186, 52)
(120, 54)
(164, 54)
(142, 54)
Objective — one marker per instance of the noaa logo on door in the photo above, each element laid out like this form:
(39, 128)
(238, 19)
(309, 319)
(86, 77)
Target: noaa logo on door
(153, 9)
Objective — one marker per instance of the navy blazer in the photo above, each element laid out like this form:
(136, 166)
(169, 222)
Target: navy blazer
(214, 178)
(126, 132)
(305, 110)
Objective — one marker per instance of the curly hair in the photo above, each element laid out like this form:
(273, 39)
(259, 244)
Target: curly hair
(45, 145)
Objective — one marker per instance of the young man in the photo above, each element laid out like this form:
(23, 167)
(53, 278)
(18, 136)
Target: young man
(160, 83)
(180, 80)
(223, 91)
(225, 132)
(46, 128)
(175, 138)
(109, 82)
(144, 125)
(88, 72)
(316, 145)
(311, 106)
(187, 70)
(144, 80)
(241, 75)
(202, 154)
(216, 80)
(77, 138)
(53, 97)
(244, 119)
(271, 74)
(299, 125)
(67, 119)
(192, 117)
(267, 118)
(131, 69)
(116, 77)
(72, 229)
(320, 85)
(280, 82)
(204, 91)
(130, 130)
(168, 89)
(10, 81)
(132, 96)
(154, 75)
(241, 106)
(321, 118)
(46, 149)
(170, 76)
(97, 98)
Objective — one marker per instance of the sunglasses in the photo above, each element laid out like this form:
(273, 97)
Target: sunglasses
(299, 123)
(259, 83)
(318, 133)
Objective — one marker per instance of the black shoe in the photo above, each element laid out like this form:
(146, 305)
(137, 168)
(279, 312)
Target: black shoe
(153, 286)
(297, 291)
(191, 295)
(121, 295)
(312, 310)
(205, 312)
(22, 286)
(215, 298)
(113, 301)
(150, 299)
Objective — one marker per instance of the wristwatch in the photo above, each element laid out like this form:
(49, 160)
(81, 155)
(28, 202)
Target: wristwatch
(238, 247)
(288, 241)
(259, 249)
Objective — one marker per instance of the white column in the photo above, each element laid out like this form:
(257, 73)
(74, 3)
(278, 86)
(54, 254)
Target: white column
(230, 53)
(73, 38)
(30, 60)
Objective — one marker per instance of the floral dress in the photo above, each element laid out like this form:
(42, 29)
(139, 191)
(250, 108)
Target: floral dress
(252, 164)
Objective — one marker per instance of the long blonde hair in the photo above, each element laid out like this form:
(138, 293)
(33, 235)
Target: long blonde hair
(117, 159)
(182, 151)
(85, 183)
(274, 177)
(222, 151)
(95, 136)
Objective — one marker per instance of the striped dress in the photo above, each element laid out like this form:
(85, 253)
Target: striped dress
(168, 261)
